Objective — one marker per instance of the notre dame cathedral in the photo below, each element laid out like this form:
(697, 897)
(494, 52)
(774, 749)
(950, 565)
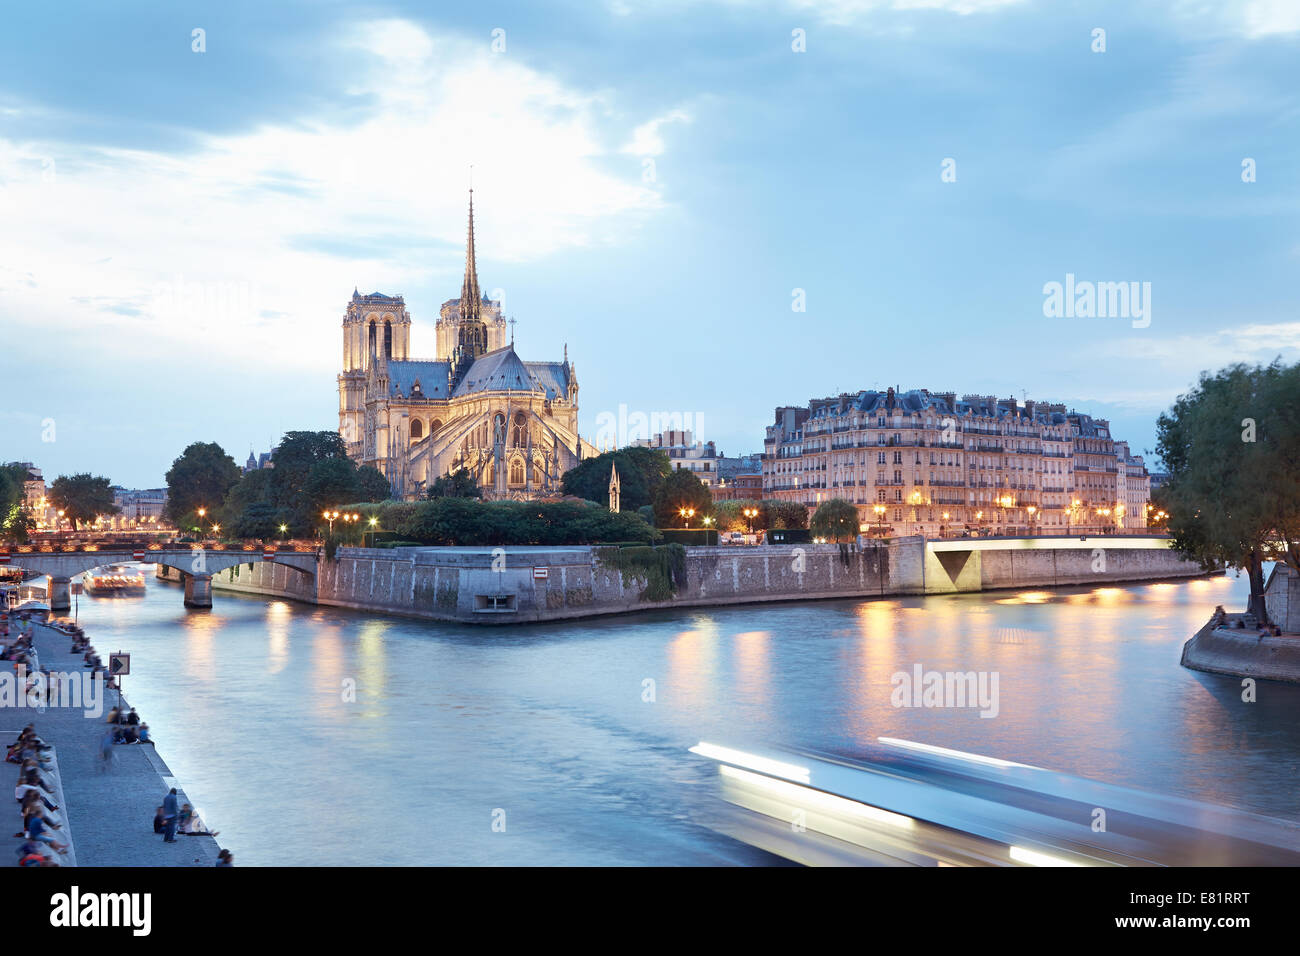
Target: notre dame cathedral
(476, 405)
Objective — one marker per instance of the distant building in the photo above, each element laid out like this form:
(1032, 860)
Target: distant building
(138, 509)
(686, 454)
(921, 462)
(255, 463)
(1158, 479)
(739, 488)
(729, 468)
(35, 494)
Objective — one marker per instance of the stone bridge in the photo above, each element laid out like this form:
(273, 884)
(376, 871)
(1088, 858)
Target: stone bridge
(195, 562)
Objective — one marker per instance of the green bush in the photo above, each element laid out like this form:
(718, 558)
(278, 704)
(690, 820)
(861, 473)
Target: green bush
(470, 522)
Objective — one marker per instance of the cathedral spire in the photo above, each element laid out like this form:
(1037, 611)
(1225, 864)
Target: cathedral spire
(469, 293)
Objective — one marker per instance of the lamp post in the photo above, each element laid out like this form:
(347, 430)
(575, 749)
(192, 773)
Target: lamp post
(1031, 511)
(880, 518)
(687, 514)
(330, 516)
(751, 514)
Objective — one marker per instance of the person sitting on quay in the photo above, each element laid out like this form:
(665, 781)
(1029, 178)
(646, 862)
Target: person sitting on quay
(144, 734)
(191, 825)
(31, 854)
(31, 783)
(34, 825)
(225, 858)
(159, 819)
(30, 805)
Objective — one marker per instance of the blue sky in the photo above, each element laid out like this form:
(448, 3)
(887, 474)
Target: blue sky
(183, 230)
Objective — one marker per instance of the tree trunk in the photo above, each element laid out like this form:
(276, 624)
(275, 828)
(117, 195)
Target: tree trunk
(1255, 567)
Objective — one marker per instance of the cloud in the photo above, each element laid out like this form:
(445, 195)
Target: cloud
(285, 219)
(646, 140)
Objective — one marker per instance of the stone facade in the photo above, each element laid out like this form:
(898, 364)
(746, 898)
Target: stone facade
(928, 463)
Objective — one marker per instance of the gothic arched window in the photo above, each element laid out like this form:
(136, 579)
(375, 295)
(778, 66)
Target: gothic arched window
(388, 339)
(372, 337)
(520, 438)
(417, 429)
(517, 471)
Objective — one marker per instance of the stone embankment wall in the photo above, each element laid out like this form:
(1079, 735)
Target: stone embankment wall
(536, 584)
(1243, 652)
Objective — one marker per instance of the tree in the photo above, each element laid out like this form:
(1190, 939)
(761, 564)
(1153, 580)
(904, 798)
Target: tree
(294, 458)
(1232, 449)
(783, 514)
(15, 520)
(640, 473)
(459, 484)
(258, 520)
(681, 489)
(374, 486)
(200, 478)
(330, 483)
(82, 497)
(836, 519)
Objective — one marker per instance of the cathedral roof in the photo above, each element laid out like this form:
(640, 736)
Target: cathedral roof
(432, 376)
(503, 369)
(552, 376)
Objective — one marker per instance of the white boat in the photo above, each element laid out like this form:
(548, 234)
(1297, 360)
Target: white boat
(114, 579)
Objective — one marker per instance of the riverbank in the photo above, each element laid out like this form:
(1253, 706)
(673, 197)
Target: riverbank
(109, 813)
(534, 584)
(1243, 652)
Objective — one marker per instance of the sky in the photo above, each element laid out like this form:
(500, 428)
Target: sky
(718, 207)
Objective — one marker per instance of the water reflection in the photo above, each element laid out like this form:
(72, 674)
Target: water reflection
(550, 722)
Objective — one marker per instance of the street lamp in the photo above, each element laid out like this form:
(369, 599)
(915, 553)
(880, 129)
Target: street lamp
(1031, 510)
(751, 514)
(330, 516)
(880, 517)
(283, 528)
(687, 514)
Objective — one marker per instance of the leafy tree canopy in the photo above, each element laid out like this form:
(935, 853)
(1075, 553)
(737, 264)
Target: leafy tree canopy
(641, 471)
(836, 519)
(458, 484)
(82, 497)
(1232, 449)
(200, 478)
(681, 489)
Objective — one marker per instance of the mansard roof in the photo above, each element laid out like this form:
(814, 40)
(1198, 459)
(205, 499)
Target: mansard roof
(940, 403)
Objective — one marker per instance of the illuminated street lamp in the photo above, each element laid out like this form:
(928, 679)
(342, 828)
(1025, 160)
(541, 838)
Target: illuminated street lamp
(687, 514)
(751, 514)
(880, 517)
(1031, 510)
(330, 516)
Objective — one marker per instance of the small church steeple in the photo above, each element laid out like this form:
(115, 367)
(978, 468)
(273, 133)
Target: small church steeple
(615, 491)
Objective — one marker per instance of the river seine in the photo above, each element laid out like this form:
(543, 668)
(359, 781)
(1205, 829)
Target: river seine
(318, 736)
